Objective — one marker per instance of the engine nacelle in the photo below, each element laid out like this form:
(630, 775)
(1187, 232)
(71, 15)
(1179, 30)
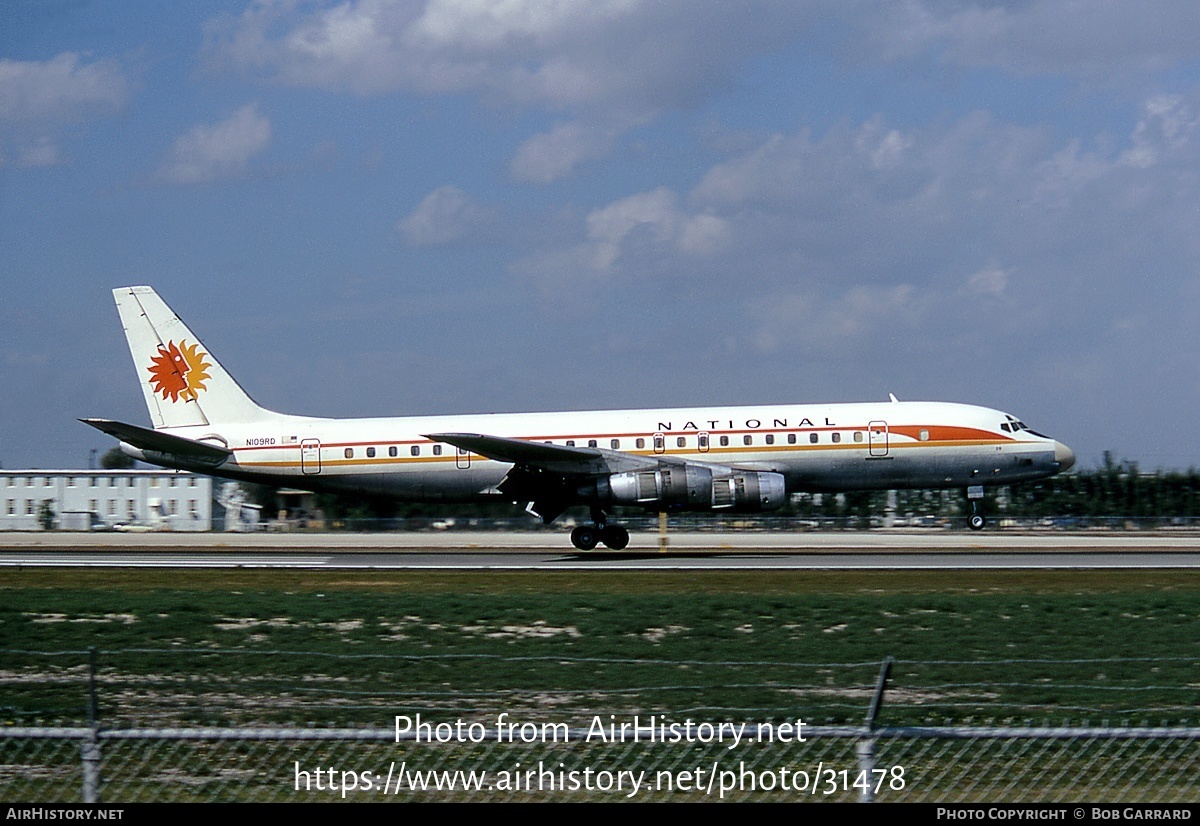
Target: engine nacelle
(693, 487)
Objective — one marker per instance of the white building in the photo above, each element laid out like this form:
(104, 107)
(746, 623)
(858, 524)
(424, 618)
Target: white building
(97, 499)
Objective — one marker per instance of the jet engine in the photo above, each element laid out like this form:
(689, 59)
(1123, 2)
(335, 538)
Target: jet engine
(693, 487)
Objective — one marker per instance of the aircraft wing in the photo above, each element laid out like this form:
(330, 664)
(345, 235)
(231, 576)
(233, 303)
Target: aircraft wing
(159, 442)
(550, 477)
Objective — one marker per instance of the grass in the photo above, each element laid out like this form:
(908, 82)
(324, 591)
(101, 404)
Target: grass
(298, 647)
(263, 647)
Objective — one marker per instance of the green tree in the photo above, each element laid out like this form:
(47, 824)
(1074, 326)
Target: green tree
(114, 459)
(45, 515)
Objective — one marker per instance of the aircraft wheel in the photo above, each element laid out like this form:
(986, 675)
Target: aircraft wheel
(615, 537)
(585, 537)
(977, 521)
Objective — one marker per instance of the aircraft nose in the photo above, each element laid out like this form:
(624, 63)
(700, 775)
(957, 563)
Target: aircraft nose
(1064, 456)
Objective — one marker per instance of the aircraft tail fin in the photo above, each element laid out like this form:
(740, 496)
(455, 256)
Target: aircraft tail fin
(182, 381)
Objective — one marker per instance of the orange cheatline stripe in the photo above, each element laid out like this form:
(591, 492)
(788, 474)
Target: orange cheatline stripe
(689, 452)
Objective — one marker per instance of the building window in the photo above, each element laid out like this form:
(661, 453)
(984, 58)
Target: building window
(392, 451)
(370, 453)
(812, 437)
(12, 506)
(349, 453)
(94, 506)
(29, 507)
(112, 507)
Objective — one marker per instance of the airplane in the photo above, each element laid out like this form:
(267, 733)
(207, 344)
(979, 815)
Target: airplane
(745, 459)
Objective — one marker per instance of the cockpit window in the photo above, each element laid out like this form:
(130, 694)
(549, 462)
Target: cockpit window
(1006, 428)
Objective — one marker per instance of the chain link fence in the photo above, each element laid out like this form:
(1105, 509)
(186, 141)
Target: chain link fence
(102, 733)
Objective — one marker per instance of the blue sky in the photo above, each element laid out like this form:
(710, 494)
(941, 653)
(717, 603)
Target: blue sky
(393, 208)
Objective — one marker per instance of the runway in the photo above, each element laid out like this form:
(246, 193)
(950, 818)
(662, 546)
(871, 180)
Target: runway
(461, 551)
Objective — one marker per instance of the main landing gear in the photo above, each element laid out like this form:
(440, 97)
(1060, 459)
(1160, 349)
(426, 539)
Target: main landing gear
(587, 537)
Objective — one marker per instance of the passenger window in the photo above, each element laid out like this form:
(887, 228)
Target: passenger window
(812, 437)
(415, 450)
(641, 443)
(791, 438)
(770, 438)
(392, 451)
(570, 443)
(591, 442)
(349, 453)
(615, 444)
(923, 435)
(703, 440)
(370, 453)
(747, 439)
(437, 450)
(724, 441)
(858, 436)
(681, 442)
(836, 437)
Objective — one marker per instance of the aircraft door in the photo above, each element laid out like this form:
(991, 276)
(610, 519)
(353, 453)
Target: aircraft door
(877, 438)
(310, 456)
(462, 458)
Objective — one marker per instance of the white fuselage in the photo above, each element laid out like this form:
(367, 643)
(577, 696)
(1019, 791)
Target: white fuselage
(825, 447)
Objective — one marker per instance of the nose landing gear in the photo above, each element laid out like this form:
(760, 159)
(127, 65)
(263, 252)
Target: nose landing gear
(976, 520)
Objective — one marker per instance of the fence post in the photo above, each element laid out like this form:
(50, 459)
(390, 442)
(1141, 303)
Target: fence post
(865, 748)
(90, 749)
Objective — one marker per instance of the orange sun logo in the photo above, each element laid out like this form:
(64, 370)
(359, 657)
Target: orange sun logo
(179, 371)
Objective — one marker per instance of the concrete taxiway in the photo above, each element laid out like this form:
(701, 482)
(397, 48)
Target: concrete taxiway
(873, 550)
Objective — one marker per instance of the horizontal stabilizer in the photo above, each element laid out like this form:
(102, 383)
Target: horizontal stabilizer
(154, 440)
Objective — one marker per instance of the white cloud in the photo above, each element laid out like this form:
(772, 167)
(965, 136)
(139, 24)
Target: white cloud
(444, 215)
(990, 281)
(1102, 39)
(648, 226)
(1166, 124)
(220, 150)
(60, 89)
(38, 98)
(548, 156)
(607, 63)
